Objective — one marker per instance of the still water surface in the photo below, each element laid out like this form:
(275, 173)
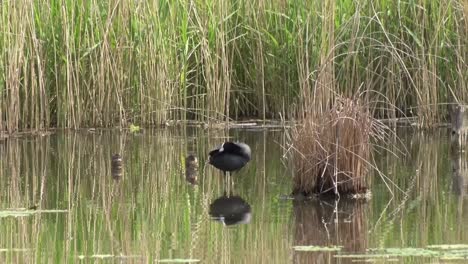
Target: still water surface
(148, 212)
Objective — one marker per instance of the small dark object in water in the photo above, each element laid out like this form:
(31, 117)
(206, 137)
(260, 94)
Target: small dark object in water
(230, 156)
(33, 207)
(191, 169)
(116, 166)
(459, 161)
(231, 210)
(459, 120)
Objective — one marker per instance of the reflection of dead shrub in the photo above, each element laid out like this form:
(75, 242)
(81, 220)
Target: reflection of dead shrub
(326, 223)
(331, 150)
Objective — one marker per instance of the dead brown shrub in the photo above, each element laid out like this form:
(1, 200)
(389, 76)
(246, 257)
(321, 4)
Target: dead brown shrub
(332, 150)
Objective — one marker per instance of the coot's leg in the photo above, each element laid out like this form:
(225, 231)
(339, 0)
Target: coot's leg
(226, 187)
(231, 181)
(231, 188)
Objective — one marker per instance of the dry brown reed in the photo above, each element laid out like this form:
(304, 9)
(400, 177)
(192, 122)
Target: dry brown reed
(332, 149)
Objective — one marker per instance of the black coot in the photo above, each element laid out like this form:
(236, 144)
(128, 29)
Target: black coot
(230, 156)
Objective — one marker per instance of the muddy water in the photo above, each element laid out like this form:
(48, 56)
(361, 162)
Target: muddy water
(65, 198)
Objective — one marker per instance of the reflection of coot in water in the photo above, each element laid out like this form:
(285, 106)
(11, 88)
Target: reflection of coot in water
(231, 210)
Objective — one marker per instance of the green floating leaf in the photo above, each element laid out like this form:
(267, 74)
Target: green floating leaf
(454, 257)
(453, 246)
(22, 213)
(97, 256)
(14, 249)
(178, 260)
(15, 213)
(105, 256)
(435, 251)
(369, 256)
(134, 128)
(317, 248)
(411, 252)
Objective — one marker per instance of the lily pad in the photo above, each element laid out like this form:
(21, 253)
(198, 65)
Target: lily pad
(362, 256)
(449, 252)
(106, 256)
(14, 249)
(97, 256)
(178, 260)
(22, 213)
(448, 246)
(454, 258)
(411, 252)
(317, 248)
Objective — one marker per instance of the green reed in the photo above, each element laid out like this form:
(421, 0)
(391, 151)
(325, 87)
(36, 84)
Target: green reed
(112, 63)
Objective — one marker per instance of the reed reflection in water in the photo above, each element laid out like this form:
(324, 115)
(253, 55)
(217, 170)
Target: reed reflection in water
(139, 208)
(330, 223)
(425, 208)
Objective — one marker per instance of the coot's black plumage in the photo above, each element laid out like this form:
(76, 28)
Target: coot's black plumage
(230, 156)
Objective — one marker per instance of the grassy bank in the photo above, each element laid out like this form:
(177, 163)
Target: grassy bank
(106, 63)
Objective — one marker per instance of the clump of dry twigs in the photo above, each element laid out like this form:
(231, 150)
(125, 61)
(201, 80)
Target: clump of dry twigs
(332, 149)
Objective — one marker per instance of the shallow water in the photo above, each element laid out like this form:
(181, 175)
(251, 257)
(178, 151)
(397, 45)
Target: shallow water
(60, 201)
